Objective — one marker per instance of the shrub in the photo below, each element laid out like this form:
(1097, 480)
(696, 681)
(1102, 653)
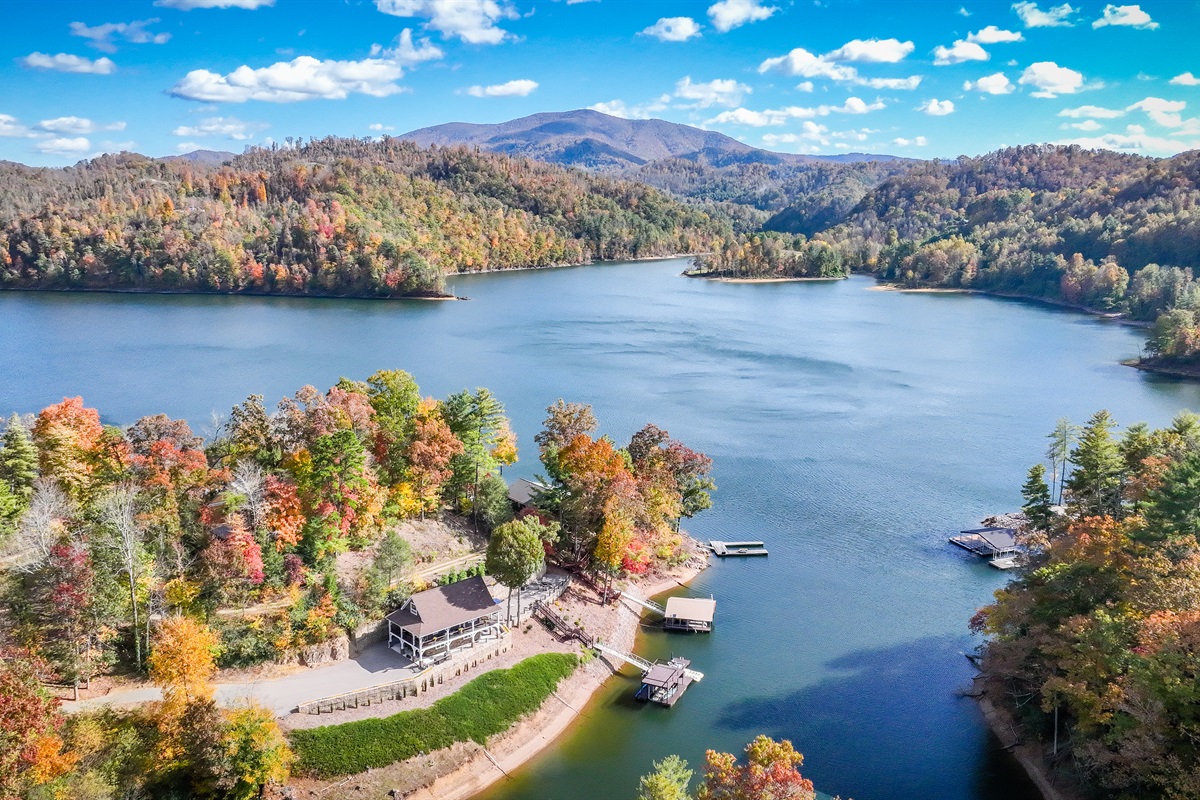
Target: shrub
(484, 707)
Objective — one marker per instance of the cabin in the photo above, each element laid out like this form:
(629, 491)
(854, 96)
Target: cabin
(521, 493)
(665, 683)
(988, 542)
(433, 625)
(689, 614)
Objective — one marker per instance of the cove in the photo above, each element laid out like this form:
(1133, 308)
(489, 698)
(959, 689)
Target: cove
(852, 430)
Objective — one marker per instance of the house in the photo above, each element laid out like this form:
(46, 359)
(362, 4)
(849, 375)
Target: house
(521, 493)
(434, 624)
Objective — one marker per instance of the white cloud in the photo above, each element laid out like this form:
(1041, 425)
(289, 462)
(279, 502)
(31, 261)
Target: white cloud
(379, 126)
(1135, 139)
(77, 125)
(727, 92)
(186, 147)
(1093, 112)
(1086, 125)
(779, 116)
(614, 108)
(406, 52)
(302, 78)
(65, 62)
(858, 135)
(872, 51)
(993, 35)
(962, 11)
(801, 63)
(887, 83)
(729, 14)
(103, 37)
(917, 141)
(521, 87)
(473, 21)
(64, 146)
(11, 127)
(1051, 80)
(996, 83)
(937, 108)
(804, 86)
(1053, 17)
(673, 29)
(230, 127)
(959, 52)
(1186, 79)
(1127, 16)
(1162, 112)
(188, 5)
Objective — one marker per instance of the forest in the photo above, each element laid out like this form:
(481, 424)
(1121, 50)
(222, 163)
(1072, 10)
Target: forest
(347, 217)
(121, 549)
(1095, 646)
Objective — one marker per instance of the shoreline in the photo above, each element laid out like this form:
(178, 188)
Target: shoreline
(213, 293)
(1185, 372)
(1110, 316)
(726, 279)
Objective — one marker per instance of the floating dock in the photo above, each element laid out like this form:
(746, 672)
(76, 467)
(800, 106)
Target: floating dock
(998, 544)
(694, 614)
(661, 683)
(723, 549)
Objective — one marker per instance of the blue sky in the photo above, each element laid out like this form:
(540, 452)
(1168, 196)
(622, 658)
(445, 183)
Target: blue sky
(924, 79)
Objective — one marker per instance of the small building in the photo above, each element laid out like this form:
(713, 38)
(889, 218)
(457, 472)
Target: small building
(521, 493)
(434, 624)
(689, 614)
(665, 683)
(988, 542)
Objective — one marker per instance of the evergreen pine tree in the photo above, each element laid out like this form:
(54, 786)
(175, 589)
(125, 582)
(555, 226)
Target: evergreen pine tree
(1037, 498)
(1173, 509)
(18, 460)
(1094, 486)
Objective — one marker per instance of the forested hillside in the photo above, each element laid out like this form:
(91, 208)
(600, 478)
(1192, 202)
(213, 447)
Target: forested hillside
(334, 216)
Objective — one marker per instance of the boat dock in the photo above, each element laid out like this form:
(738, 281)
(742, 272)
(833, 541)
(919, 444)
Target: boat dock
(661, 683)
(692, 614)
(997, 544)
(723, 549)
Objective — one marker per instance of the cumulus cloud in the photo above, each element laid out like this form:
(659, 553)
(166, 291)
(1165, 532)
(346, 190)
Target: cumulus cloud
(729, 14)
(379, 126)
(473, 21)
(188, 5)
(727, 92)
(65, 62)
(11, 127)
(959, 52)
(302, 78)
(917, 141)
(617, 108)
(1092, 112)
(1186, 79)
(801, 63)
(779, 116)
(1053, 17)
(186, 147)
(230, 127)
(996, 83)
(937, 108)
(104, 37)
(521, 87)
(76, 125)
(1051, 80)
(673, 29)
(1135, 140)
(64, 146)
(993, 35)
(1086, 125)
(887, 83)
(1126, 16)
(872, 51)
(1162, 112)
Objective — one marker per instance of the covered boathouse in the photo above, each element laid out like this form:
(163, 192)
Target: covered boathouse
(988, 542)
(689, 614)
(665, 683)
(432, 625)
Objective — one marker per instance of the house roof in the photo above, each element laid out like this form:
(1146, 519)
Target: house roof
(697, 609)
(444, 607)
(522, 491)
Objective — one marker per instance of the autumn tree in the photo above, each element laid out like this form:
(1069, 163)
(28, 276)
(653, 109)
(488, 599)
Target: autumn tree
(429, 455)
(396, 399)
(668, 781)
(771, 772)
(182, 664)
(68, 438)
(31, 749)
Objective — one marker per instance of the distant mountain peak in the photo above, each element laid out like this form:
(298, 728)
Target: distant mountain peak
(202, 156)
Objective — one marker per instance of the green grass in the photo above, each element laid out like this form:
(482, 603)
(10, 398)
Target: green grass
(484, 707)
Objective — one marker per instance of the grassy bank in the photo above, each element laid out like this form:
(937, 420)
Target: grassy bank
(488, 705)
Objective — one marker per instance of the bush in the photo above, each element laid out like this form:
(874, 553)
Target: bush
(245, 644)
(484, 707)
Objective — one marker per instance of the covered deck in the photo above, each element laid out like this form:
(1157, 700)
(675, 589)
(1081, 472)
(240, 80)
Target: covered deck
(432, 625)
(988, 542)
(665, 683)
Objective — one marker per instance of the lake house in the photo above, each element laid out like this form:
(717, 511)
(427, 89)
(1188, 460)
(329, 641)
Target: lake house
(433, 625)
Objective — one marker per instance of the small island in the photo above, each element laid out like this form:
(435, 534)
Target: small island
(766, 256)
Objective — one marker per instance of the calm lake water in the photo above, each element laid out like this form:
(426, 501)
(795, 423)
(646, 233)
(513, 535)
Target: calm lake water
(852, 430)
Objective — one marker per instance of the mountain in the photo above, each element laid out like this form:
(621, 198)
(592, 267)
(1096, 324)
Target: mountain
(598, 142)
(202, 157)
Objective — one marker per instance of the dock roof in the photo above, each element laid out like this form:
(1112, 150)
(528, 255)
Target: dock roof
(697, 609)
(444, 607)
(664, 676)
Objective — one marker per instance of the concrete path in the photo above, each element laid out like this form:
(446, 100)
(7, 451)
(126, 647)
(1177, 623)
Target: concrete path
(375, 665)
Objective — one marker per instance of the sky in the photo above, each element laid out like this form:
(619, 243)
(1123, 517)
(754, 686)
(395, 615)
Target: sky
(922, 79)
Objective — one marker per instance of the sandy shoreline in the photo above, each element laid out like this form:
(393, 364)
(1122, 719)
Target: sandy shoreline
(466, 769)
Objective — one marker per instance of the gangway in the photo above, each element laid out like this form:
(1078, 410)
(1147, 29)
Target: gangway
(641, 663)
(647, 604)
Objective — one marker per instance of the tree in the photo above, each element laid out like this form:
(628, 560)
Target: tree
(30, 747)
(258, 753)
(1095, 483)
(68, 438)
(564, 421)
(1173, 509)
(18, 460)
(1062, 439)
(183, 661)
(430, 453)
(396, 399)
(668, 781)
(771, 772)
(1037, 498)
(516, 551)
(392, 557)
(118, 515)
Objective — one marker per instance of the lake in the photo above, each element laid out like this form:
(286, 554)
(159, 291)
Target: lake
(853, 430)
